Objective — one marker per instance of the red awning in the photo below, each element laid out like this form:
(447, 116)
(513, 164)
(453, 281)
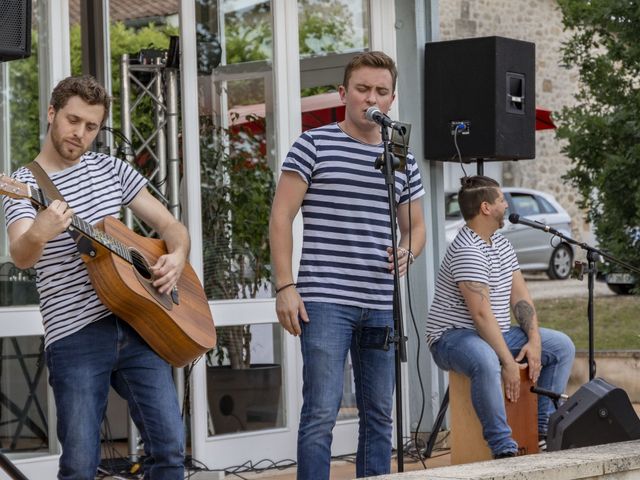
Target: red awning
(543, 119)
(325, 108)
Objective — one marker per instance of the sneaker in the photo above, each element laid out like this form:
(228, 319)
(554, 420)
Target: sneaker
(542, 444)
(504, 455)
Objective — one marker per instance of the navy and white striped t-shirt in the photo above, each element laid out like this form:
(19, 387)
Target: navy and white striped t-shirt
(95, 188)
(470, 258)
(346, 218)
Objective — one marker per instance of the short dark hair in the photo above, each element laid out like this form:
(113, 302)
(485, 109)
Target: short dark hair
(373, 59)
(475, 190)
(86, 87)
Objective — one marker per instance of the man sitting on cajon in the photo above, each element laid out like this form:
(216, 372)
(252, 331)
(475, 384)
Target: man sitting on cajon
(469, 330)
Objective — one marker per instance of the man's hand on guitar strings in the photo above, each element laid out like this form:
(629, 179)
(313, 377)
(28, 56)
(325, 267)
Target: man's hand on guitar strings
(167, 271)
(53, 220)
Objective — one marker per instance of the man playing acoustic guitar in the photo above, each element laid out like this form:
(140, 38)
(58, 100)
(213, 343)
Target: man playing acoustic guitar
(87, 347)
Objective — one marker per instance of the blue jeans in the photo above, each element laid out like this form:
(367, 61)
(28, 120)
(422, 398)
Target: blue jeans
(464, 351)
(332, 331)
(81, 367)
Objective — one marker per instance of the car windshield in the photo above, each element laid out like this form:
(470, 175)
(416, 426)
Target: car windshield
(451, 207)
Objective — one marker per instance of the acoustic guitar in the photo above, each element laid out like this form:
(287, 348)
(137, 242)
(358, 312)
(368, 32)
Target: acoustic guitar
(177, 326)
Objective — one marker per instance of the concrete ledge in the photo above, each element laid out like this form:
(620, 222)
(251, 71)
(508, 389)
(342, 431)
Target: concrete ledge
(614, 461)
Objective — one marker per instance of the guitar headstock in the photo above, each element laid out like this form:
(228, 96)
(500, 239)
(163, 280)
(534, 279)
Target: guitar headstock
(13, 188)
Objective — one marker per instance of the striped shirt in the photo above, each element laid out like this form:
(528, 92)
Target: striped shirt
(96, 187)
(469, 258)
(346, 218)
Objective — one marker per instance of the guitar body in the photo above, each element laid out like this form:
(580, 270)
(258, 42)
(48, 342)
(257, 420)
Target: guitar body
(178, 327)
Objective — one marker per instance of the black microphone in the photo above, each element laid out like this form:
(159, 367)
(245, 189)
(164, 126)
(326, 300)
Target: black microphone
(375, 115)
(515, 218)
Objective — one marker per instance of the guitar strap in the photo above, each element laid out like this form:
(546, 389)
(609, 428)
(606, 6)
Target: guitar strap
(44, 182)
(50, 191)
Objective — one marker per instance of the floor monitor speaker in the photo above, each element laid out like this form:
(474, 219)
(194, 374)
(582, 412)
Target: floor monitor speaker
(482, 90)
(596, 414)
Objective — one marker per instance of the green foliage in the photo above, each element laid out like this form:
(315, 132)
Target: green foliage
(325, 27)
(248, 35)
(24, 108)
(123, 40)
(23, 79)
(237, 189)
(603, 129)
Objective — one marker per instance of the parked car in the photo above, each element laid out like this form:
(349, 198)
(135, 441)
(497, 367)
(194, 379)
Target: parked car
(536, 250)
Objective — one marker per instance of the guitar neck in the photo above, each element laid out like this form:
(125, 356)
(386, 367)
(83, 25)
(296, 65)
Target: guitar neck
(86, 229)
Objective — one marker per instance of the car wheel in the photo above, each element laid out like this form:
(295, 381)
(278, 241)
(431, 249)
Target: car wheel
(620, 288)
(560, 264)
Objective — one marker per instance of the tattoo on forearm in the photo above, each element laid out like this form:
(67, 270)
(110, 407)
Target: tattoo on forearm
(524, 312)
(478, 288)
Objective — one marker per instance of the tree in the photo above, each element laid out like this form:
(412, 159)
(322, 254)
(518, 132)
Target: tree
(23, 108)
(602, 130)
(123, 40)
(23, 79)
(317, 35)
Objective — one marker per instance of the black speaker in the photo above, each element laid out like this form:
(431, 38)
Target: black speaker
(483, 88)
(15, 29)
(596, 414)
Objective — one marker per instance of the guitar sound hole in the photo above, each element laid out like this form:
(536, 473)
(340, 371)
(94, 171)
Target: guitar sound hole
(140, 264)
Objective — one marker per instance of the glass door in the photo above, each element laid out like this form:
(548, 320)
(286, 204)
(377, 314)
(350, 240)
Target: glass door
(244, 90)
(246, 375)
(330, 34)
(27, 416)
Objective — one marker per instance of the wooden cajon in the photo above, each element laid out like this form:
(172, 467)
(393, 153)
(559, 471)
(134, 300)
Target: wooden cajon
(467, 443)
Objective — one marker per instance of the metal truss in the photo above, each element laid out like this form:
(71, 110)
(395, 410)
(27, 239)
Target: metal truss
(146, 83)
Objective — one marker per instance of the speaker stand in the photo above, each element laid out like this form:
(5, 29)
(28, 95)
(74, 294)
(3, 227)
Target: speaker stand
(437, 424)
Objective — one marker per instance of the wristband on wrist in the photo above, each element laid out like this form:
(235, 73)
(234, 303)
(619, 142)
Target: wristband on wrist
(278, 290)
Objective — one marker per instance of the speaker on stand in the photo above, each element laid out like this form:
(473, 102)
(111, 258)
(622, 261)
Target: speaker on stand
(15, 29)
(598, 413)
(480, 100)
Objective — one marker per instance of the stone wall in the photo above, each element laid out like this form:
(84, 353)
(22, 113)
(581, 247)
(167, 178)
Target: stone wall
(540, 22)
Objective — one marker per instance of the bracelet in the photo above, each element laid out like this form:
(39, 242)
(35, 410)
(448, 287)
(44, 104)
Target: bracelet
(407, 252)
(278, 290)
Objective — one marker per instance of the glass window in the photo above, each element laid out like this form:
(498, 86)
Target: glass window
(545, 206)
(452, 207)
(19, 144)
(332, 26)
(23, 395)
(244, 379)
(331, 31)
(525, 204)
(236, 118)
(237, 158)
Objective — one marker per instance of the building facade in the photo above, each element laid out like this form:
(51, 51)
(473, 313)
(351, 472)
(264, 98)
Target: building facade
(539, 22)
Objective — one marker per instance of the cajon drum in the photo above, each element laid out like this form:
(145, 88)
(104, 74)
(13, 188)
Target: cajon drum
(467, 443)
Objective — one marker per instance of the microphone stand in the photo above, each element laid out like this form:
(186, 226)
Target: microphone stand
(399, 339)
(592, 269)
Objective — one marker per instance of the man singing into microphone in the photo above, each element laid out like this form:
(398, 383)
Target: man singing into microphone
(469, 331)
(342, 300)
